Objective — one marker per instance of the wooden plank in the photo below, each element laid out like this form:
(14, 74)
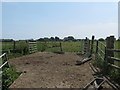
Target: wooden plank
(91, 51)
(32, 42)
(98, 87)
(14, 45)
(113, 58)
(114, 50)
(2, 55)
(101, 50)
(32, 47)
(83, 61)
(88, 85)
(96, 46)
(101, 56)
(3, 64)
(114, 66)
(102, 43)
(110, 45)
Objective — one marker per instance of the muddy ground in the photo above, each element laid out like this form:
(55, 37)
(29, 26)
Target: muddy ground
(51, 70)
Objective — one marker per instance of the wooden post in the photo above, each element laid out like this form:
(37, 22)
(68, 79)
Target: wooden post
(14, 43)
(110, 45)
(82, 46)
(91, 51)
(61, 46)
(85, 43)
(97, 47)
(96, 52)
(88, 48)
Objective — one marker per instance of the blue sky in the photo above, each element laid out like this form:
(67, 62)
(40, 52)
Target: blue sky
(25, 20)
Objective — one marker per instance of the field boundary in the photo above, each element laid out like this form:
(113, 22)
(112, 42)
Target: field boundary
(32, 47)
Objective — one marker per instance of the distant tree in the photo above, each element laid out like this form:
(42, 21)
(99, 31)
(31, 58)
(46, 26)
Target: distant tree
(31, 40)
(101, 39)
(52, 39)
(46, 39)
(6, 40)
(65, 39)
(70, 38)
(41, 40)
(57, 39)
(119, 39)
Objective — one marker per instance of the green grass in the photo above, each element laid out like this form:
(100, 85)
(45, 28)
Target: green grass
(21, 48)
(9, 76)
(55, 46)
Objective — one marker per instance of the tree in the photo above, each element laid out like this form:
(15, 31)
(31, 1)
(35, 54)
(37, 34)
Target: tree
(101, 39)
(70, 38)
(46, 39)
(57, 38)
(52, 39)
(41, 39)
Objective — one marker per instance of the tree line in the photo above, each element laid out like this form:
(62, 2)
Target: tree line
(52, 39)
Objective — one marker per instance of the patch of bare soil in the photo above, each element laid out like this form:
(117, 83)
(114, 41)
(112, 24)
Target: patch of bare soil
(51, 70)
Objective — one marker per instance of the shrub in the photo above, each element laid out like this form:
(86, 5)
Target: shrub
(9, 75)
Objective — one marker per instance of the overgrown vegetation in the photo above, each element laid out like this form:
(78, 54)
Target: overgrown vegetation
(106, 69)
(8, 77)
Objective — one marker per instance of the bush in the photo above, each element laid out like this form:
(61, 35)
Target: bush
(8, 77)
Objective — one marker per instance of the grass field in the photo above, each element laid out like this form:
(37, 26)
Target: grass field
(55, 46)
(51, 47)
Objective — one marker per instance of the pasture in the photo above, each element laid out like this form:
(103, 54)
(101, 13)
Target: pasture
(50, 46)
(47, 56)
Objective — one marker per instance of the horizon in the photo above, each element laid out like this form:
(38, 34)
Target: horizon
(26, 20)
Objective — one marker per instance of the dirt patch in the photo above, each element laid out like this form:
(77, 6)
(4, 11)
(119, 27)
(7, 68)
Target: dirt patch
(50, 70)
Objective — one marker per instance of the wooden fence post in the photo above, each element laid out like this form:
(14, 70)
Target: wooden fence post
(14, 44)
(61, 46)
(96, 52)
(110, 45)
(97, 47)
(85, 43)
(88, 47)
(91, 51)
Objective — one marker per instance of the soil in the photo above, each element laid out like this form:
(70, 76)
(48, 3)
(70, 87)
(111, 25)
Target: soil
(51, 70)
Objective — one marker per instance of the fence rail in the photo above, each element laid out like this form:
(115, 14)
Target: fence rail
(106, 54)
(105, 58)
(114, 50)
(3, 61)
(32, 47)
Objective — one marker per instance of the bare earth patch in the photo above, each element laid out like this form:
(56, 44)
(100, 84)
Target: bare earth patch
(50, 70)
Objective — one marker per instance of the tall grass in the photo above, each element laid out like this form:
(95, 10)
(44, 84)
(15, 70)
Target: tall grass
(113, 73)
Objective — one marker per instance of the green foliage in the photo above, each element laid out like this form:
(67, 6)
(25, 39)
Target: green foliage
(9, 75)
(113, 73)
(101, 39)
(21, 48)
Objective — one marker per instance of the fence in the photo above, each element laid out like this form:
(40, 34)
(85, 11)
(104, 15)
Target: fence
(15, 47)
(107, 54)
(3, 63)
(88, 46)
(103, 50)
(32, 47)
(105, 60)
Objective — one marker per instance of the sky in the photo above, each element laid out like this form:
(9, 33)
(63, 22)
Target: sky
(27, 20)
